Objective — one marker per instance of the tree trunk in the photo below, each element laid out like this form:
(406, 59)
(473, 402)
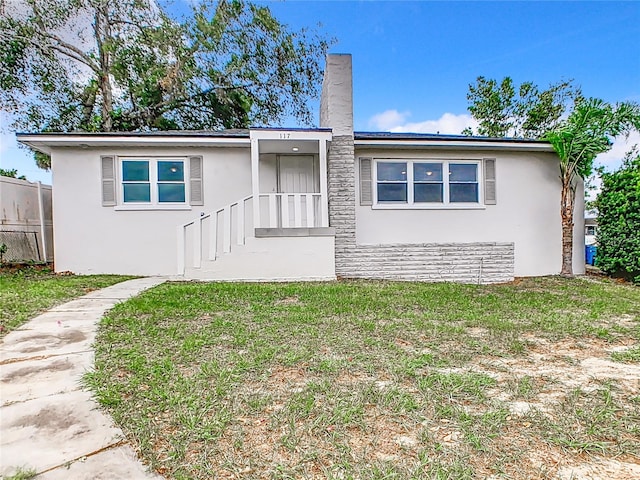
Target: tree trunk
(566, 211)
(103, 35)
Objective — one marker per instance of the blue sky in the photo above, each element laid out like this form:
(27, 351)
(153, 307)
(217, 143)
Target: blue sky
(413, 61)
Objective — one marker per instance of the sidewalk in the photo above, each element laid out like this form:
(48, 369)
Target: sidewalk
(48, 423)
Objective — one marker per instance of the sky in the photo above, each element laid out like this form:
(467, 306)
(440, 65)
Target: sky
(413, 61)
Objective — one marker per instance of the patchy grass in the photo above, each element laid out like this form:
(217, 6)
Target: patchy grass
(22, 474)
(628, 355)
(25, 293)
(374, 379)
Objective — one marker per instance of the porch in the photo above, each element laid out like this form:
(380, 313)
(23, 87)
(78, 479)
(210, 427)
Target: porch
(279, 225)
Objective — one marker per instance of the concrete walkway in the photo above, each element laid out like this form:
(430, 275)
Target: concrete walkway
(48, 423)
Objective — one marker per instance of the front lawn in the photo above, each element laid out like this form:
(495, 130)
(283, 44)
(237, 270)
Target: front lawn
(377, 380)
(27, 292)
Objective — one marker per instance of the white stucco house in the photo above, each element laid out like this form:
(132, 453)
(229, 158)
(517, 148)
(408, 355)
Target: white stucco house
(307, 204)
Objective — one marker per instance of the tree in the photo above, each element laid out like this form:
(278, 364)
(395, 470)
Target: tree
(578, 136)
(102, 65)
(12, 173)
(618, 205)
(587, 132)
(529, 114)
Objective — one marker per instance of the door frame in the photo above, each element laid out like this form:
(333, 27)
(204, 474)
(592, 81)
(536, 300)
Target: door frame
(315, 175)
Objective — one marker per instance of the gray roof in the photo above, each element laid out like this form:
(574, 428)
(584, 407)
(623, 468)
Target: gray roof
(437, 136)
(244, 133)
(228, 133)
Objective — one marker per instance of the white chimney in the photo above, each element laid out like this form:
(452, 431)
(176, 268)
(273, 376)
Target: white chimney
(336, 101)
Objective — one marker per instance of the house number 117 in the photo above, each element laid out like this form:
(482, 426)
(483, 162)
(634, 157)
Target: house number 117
(285, 135)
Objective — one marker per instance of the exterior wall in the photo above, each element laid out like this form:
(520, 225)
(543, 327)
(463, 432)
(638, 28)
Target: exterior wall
(272, 259)
(91, 238)
(400, 255)
(20, 211)
(527, 214)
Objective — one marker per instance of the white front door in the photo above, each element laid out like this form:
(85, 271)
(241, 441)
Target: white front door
(297, 174)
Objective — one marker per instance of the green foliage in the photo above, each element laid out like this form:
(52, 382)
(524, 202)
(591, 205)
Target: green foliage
(3, 251)
(619, 219)
(588, 132)
(12, 173)
(96, 65)
(529, 113)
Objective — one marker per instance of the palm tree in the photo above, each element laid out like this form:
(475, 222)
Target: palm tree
(586, 133)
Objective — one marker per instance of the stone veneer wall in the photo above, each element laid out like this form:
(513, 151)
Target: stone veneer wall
(455, 262)
(342, 199)
(433, 262)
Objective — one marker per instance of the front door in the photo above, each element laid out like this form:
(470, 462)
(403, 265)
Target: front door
(297, 174)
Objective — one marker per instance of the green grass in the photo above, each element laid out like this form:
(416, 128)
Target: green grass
(22, 474)
(28, 292)
(365, 379)
(630, 355)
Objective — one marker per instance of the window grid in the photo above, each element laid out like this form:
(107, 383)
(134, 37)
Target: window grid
(406, 182)
(445, 181)
(153, 180)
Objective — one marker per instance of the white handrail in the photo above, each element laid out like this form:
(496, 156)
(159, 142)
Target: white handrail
(289, 210)
(240, 206)
(285, 210)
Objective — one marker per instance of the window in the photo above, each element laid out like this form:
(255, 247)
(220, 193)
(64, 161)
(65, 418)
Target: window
(424, 183)
(392, 182)
(153, 181)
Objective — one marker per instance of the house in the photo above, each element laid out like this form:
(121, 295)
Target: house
(307, 204)
(590, 228)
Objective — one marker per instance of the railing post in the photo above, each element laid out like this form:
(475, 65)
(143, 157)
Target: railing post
(197, 243)
(273, 216)
(284, 210)
(324, 201)
(240, 223)
(309, 204)
(297, 209)
(255, 181)
(226, 232)
(180, 246)
(213, 235)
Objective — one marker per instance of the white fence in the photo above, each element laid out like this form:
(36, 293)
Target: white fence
(26, 224)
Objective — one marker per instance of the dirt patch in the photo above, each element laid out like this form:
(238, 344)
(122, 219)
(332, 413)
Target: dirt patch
(566, 365)
(24, 374)
(44, 342)
(50, 419)
(293, 300)
(601, 469)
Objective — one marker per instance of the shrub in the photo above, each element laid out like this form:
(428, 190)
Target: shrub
(619, 220)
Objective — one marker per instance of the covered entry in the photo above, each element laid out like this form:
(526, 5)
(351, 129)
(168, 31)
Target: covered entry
(289, 177)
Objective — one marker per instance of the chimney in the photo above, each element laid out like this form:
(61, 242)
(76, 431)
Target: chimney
(336, 101)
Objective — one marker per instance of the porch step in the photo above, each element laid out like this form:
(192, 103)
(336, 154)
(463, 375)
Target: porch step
(295, 232)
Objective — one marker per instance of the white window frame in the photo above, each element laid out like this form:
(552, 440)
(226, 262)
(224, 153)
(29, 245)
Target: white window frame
(445, 204)
(153, 204)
